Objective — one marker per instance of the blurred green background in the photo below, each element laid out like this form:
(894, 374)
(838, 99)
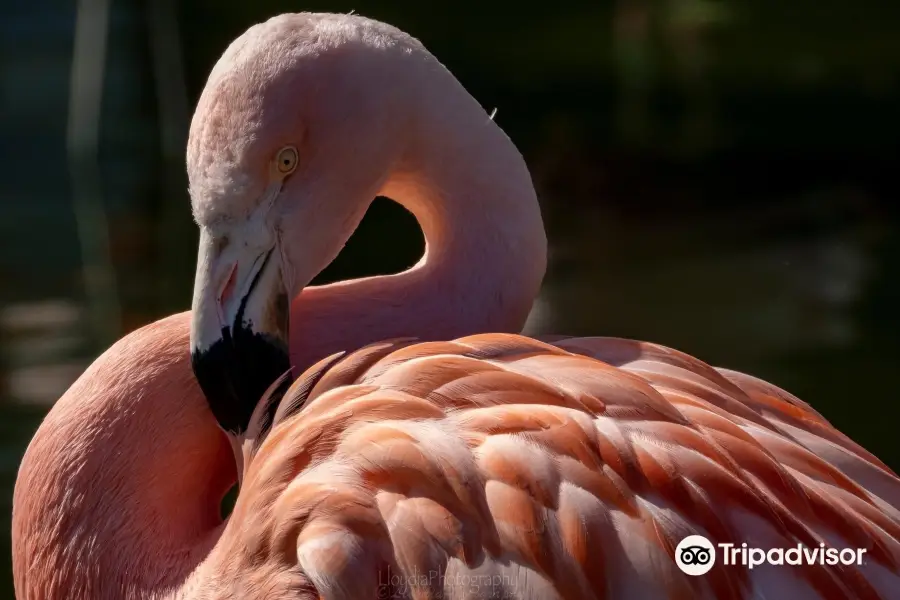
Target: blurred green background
(718, 176)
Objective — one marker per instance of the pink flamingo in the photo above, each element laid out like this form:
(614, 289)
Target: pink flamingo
(492, 466)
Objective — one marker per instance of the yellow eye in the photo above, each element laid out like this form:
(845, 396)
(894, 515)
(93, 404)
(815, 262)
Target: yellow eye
(286, 161)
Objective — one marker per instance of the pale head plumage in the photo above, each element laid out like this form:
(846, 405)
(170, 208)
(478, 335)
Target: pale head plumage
(302, 80)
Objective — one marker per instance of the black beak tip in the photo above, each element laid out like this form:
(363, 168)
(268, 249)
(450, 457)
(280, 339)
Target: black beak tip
(236, 371)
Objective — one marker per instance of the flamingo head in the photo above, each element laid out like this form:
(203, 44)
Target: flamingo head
(294, 134)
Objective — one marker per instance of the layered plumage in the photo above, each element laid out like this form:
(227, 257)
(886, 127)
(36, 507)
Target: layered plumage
(498, 466)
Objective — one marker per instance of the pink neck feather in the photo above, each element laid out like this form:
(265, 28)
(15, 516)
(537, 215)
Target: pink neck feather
(485, 257)
(118, 493)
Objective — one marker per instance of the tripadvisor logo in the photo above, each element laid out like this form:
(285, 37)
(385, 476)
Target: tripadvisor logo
(696, 555)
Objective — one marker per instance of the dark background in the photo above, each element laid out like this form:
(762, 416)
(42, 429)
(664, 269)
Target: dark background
(718, 176)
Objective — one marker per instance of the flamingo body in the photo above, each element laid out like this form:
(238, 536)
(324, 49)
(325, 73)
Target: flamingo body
(502, 466)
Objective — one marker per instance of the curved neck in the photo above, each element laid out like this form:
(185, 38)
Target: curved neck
(125, 475)
(486, 250)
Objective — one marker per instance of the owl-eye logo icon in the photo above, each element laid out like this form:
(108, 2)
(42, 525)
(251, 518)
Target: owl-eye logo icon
(695, 555)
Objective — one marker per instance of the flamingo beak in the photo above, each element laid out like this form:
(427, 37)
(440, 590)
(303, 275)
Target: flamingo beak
(239, 327)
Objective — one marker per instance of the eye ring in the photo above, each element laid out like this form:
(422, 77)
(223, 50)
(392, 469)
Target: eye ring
(286, 160)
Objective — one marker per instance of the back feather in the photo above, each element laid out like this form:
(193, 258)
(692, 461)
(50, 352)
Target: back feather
(499, 466)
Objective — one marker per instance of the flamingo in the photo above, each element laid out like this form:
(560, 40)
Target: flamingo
(422, 448)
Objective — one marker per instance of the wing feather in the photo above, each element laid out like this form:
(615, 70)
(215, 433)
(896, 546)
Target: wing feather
(503, 466)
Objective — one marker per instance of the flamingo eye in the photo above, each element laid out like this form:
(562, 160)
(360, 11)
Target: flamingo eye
(286, 160)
